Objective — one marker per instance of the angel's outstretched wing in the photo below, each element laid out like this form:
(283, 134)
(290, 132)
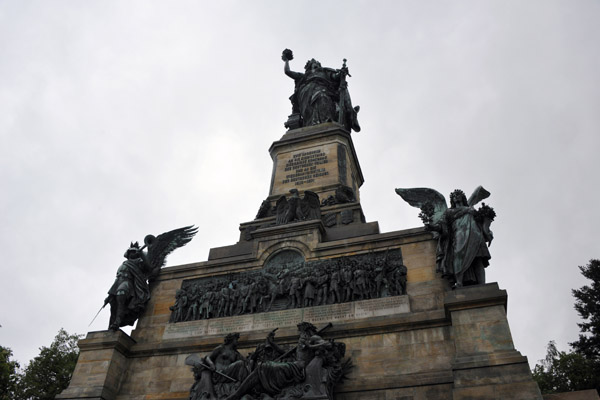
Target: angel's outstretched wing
(311, 206)
(418, 197)
(161, 246)
(281, 211)
(478, 194)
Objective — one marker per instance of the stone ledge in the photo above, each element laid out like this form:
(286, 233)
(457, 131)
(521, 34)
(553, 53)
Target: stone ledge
(340, 329)
(101, 340)
(396, 381)
(228, 252)
(286, 229)
(591, 394)
(323, 249)
(402, 237)
(206, 268)
(474, 297)
(90, 393)
(489, 360)
(314, 130)
(349, 231)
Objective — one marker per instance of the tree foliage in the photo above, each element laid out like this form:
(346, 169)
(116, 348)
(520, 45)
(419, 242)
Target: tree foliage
(45, 376)
(49, 373)
(9, 377)
(566, 372)
(578, 369)
(587, 305)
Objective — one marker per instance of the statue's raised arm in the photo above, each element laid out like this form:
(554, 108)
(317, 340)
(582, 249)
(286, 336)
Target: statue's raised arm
(288, 56)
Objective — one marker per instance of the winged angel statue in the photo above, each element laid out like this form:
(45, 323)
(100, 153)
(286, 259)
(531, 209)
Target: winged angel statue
(130, 293)
(296, 208)
(463, 233)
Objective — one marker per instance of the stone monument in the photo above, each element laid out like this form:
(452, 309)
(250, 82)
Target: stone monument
(406, 314)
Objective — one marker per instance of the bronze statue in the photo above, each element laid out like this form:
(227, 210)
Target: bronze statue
(218, 374)
(130, 293)
(322, 286)
(334, 285)
(320, 95)
(463, 233)
(348, 283)
(309, 371)
(343, 195)
(181, 301)
(293, 285)
(308, 282)
(265, 210)
(296, 292)
(296, 208)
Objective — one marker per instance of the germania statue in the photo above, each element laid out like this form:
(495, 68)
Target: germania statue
(320, 95)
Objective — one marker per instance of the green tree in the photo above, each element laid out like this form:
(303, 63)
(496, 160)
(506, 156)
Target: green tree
(587, 305)
(49, 373)
(578, 369)
(566, 372)
(9, 374)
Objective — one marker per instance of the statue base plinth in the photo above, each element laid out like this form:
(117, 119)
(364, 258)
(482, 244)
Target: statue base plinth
(318, 158)
(101, 367)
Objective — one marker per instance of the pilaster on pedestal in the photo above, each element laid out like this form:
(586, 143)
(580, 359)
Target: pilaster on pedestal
(486, 363)
(101, 366)
(318, 158)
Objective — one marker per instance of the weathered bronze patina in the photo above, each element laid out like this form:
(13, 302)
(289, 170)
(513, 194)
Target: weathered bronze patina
(463, 233)
(320, 95)
(130, 293)
(310, 370)
(292, 283)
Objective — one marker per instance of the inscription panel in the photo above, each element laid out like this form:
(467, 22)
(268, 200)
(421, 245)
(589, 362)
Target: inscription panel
(304, 167)
(272, 320)
(219, 326)
(333, 312)
(380, 307)
(276, 319)
(186, 329)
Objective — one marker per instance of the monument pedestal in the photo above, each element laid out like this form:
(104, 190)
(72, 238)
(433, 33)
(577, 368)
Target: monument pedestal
(408, 334)
(101, 366)
(319, 158)
(486, 364)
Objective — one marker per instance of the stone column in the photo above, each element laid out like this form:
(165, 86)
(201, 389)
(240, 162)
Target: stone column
(101, 366)
(486, 364)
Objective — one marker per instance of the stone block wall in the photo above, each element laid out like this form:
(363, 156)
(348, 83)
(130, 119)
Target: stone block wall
(443, 344)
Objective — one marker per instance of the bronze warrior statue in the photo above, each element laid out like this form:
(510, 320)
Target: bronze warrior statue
(130, 292)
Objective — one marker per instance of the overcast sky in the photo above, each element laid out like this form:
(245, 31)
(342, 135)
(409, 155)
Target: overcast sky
(123, 118)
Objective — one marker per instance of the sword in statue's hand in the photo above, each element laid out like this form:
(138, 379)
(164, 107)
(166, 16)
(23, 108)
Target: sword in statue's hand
(107, 299)
(98, 313)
